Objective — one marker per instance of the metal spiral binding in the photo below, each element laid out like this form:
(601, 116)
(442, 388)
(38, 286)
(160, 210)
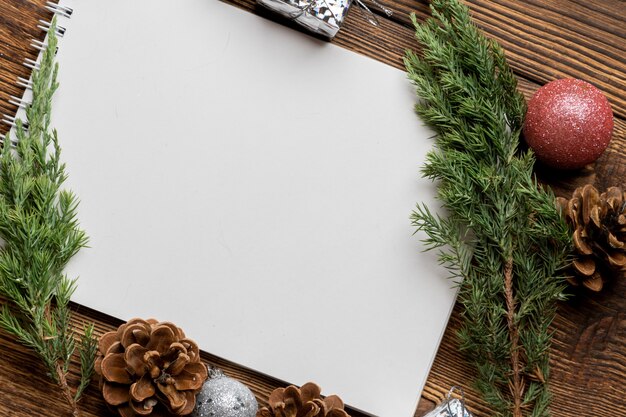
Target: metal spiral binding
(45, 26)
(23, 103)
(12, 121)
(59, 10)
(23, 82)
(19, 102)
(31, 63)
(37, 44)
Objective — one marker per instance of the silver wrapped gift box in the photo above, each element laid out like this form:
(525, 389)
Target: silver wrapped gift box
(450, 408)
(323, 17)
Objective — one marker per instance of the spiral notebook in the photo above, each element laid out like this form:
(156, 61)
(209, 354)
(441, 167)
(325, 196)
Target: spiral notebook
(253, 185)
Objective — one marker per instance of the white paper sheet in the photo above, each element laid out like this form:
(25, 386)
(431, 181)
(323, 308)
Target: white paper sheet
(253, 185)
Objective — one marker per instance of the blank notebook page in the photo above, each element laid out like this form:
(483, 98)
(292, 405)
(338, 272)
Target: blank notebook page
(252, 185)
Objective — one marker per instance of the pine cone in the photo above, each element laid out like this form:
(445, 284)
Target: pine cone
(598, 222)
(302, 402)
(149, 368)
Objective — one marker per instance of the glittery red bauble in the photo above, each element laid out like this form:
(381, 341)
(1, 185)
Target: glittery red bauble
(569, 123)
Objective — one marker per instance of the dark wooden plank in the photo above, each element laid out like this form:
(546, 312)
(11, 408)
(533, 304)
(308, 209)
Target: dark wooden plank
(18, 27)
(548, 39)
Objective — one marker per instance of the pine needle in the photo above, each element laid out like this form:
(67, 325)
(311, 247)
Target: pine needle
(40, 233)
(502, 235)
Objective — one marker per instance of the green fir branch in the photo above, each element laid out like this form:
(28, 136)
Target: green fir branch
(40, 233)
(502, 235)
(88, 350)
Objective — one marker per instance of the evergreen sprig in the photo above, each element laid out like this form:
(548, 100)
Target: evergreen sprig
(501, 237)
(40, 234)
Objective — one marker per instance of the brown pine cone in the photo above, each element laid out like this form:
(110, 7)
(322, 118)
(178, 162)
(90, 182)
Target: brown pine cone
(149, 368)
(302, 402)
(598, 222)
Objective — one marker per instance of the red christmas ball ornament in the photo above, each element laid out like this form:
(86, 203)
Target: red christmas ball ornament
(568, 124)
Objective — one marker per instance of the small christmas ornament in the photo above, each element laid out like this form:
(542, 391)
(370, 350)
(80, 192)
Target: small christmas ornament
(598, 224)
(149, 368)
(305, 401)
(568, 124)
(222, 396)
(451, 407)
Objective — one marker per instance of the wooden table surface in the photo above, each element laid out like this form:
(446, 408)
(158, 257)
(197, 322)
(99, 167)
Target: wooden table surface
(544, 40)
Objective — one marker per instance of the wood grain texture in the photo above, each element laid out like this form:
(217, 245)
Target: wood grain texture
(18, 27)
(544, 39)
(548, 39)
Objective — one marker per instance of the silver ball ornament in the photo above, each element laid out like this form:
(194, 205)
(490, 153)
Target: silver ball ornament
(222, 396)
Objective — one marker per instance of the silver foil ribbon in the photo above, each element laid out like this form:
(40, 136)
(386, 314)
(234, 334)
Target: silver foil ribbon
(451, 407)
